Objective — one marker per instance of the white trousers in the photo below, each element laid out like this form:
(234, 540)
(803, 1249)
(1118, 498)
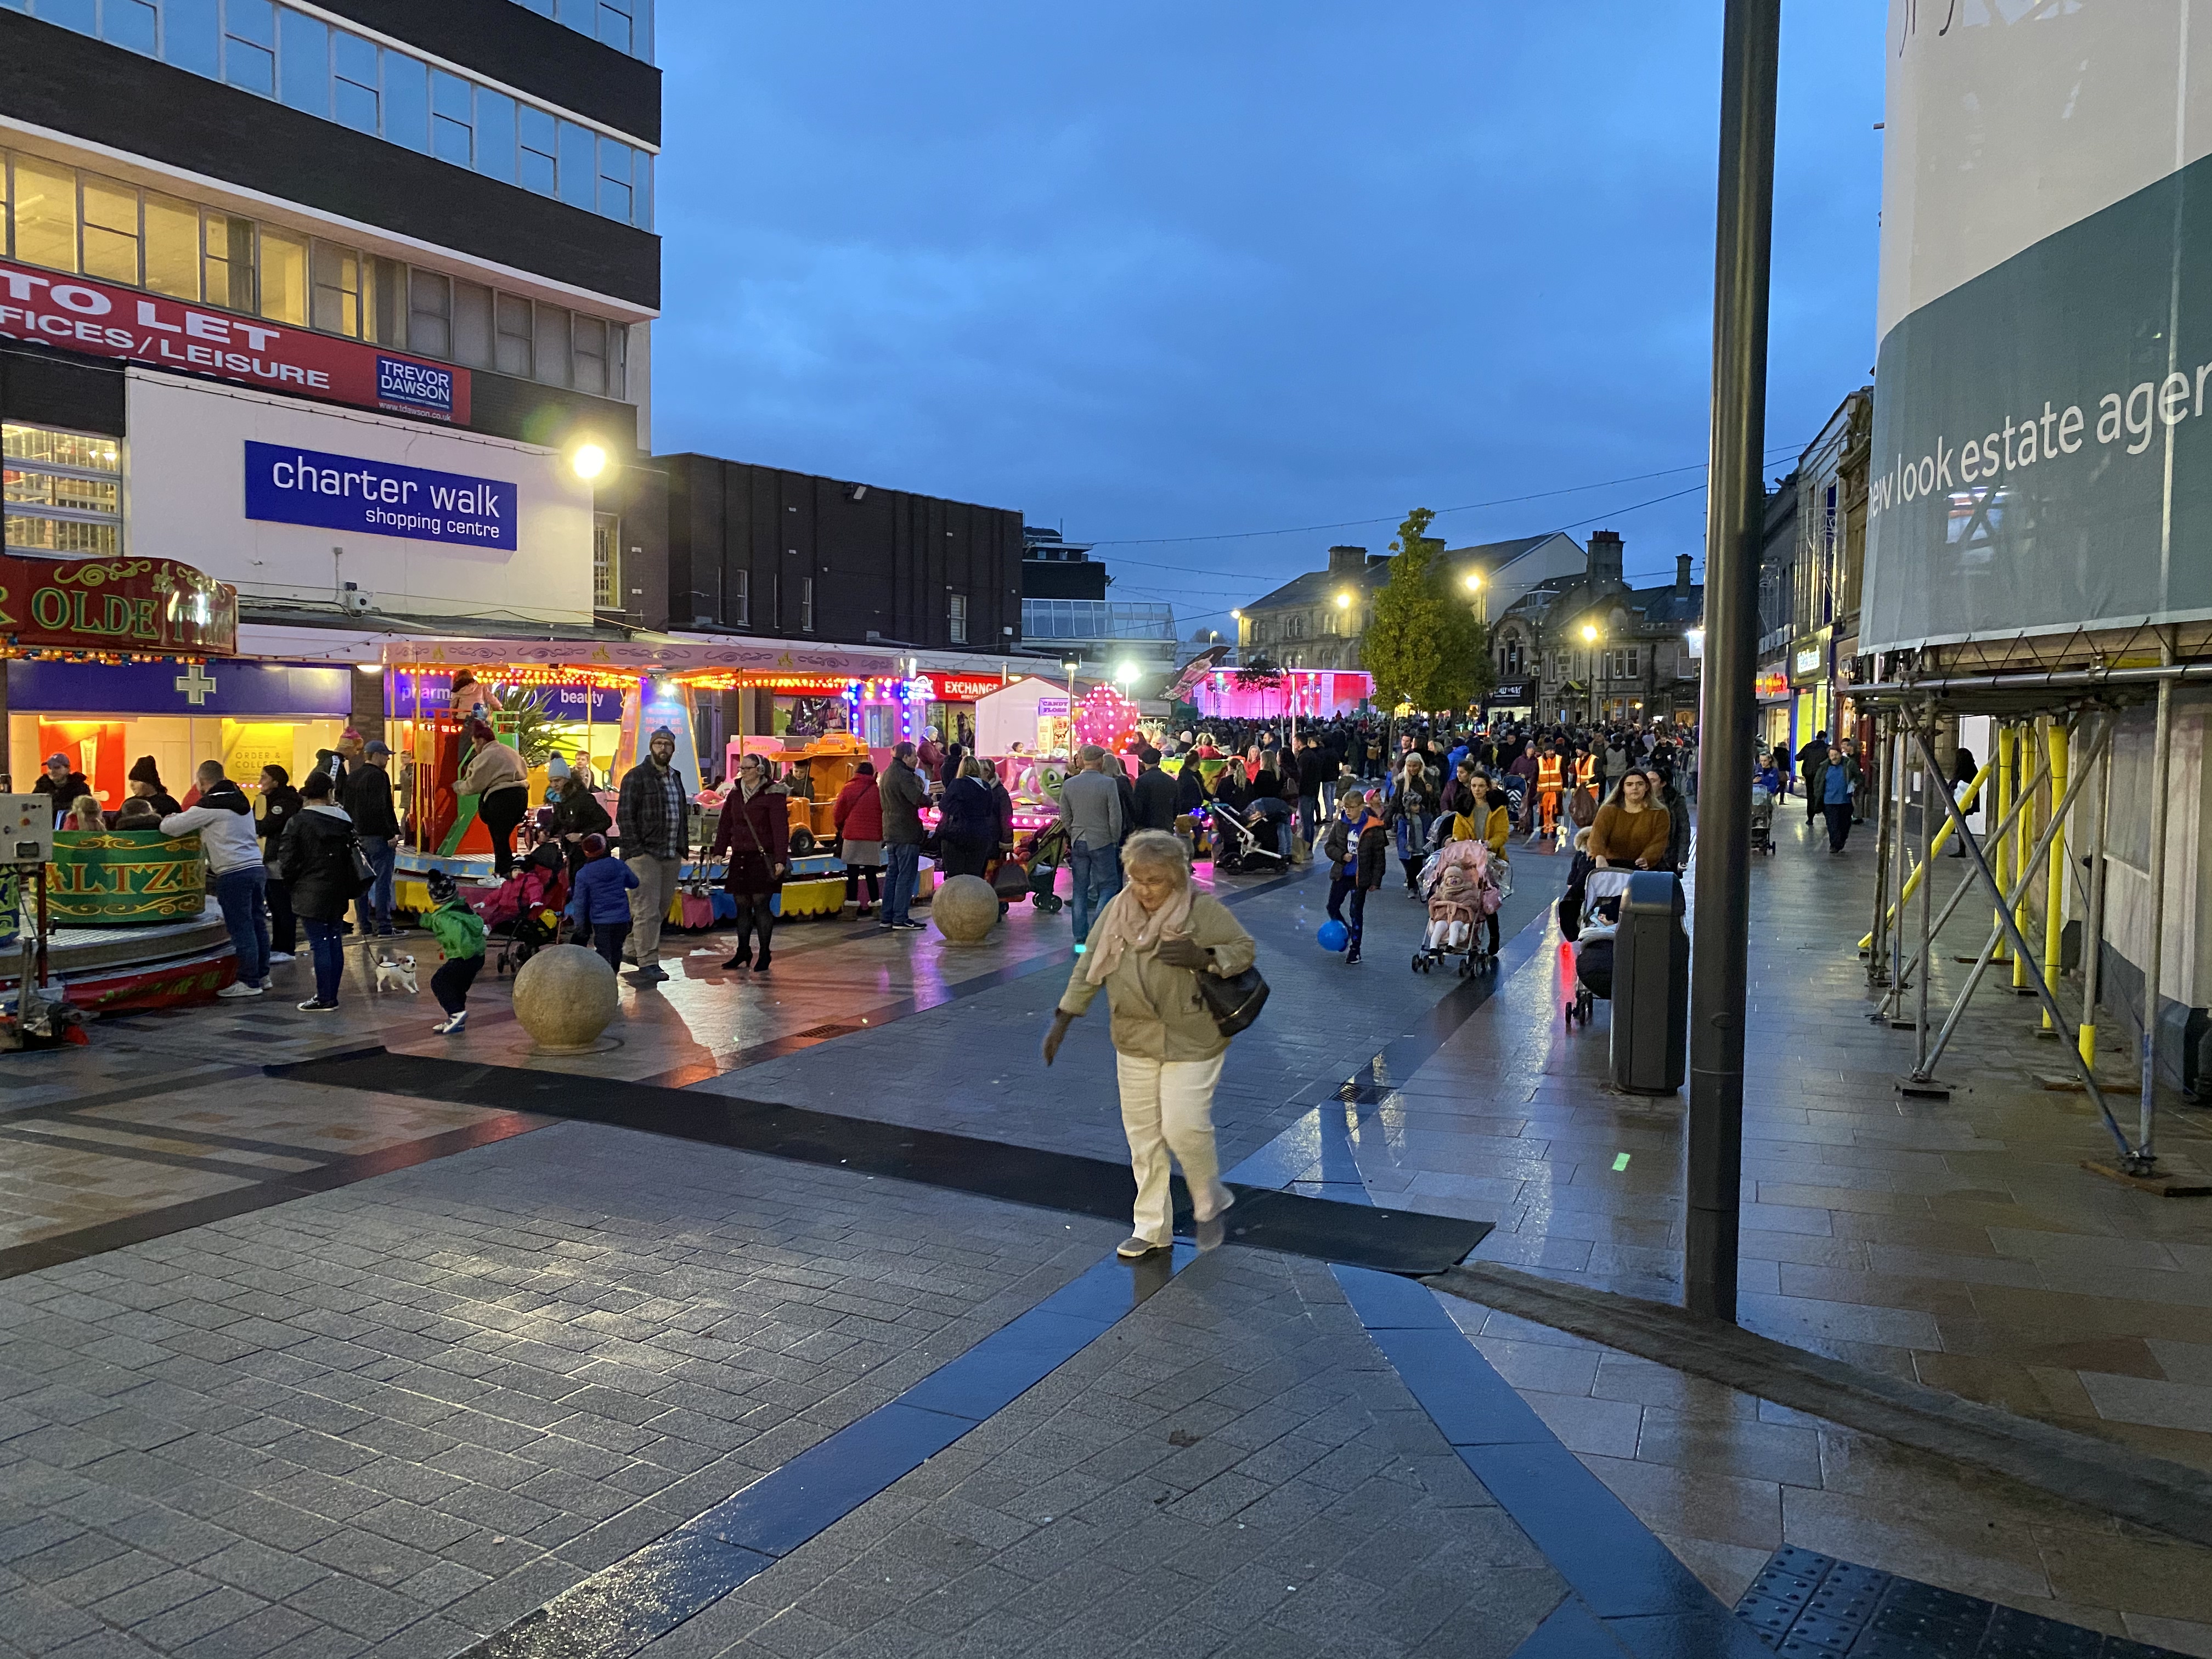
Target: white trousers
(1167, 1106)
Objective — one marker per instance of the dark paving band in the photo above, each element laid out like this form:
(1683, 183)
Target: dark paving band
(2100, 1474)
(1389, 1241)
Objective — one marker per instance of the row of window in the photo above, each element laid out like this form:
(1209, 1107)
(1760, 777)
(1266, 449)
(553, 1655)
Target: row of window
(1602, 665)
(63, 491)
(625, 25)
(1095, 619)
(66, 220)
(309, 64)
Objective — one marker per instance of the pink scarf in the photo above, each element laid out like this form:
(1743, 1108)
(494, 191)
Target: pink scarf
(1126, 923)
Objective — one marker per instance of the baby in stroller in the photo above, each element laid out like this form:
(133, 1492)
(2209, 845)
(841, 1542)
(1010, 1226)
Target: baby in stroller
(517, 912)
(1462, 891)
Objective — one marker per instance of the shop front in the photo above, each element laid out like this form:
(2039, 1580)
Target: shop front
(1511, 700)
(1811, 710)
(1771, 690)
(956, 696)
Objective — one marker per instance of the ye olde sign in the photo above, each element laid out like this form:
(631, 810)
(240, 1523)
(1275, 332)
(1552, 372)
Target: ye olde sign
(76, 314)
(150, 605)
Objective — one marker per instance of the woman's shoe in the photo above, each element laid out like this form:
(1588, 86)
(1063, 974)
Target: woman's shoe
(317, 1006)
(743, 959)
(761, 967)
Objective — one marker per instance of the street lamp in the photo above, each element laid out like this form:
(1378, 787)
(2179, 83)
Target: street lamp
(1590, 633)
(1126, 675)
(589, 461)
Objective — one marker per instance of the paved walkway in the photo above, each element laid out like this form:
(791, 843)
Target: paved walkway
(496, 1391)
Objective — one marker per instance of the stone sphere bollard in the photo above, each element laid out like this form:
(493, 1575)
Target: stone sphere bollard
(564, 996)
(964, 909)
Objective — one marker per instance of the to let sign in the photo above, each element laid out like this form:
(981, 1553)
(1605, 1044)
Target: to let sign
(153, 606)
(287, 485)
(76, 314)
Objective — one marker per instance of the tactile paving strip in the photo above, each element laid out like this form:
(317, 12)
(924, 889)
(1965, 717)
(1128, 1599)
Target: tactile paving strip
(1805, 1605)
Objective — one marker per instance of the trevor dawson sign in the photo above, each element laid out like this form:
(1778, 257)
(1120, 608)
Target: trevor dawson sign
(74, 314)
(288, 485)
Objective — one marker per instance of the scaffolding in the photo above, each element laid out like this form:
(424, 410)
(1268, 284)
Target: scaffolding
(2054, 734)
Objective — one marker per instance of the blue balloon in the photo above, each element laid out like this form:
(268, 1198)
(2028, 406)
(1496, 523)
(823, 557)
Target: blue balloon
(1334, 935)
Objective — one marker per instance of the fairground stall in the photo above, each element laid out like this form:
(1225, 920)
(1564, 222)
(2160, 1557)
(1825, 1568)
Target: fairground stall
(96, 647)
(1284, 694)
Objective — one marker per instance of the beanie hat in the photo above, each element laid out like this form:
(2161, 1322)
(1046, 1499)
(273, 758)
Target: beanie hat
(142, 770)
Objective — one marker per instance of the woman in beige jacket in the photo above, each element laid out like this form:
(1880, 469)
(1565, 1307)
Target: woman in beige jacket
(496, 776)
(1145, 951)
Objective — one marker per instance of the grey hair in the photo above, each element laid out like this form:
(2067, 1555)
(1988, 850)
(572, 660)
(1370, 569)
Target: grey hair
(1157, 847)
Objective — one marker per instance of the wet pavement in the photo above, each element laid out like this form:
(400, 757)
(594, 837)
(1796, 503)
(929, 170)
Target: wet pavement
(328, 1367)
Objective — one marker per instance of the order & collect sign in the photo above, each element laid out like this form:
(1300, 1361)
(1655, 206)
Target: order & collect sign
(76, 314)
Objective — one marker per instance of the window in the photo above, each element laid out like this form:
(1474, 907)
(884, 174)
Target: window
(589, 346)
(495, 141)
(453, 120)
(226, 261)
(44, 200)
(249, 46)
(578, 169)
(130, 23)
(64, 490)
(283, 267)
(303, 62)
(407, 102)
(511, 353)
(110, 230)
(1630, 663)
(173, 247)
(614, 178)
(806, 604)
(741, 599)
(540, 137)
(191, 36)
(552, 344)
(606, 561)
(957, 618)
(356, 82)
(429, 313)
(472, 323)
(383, 301)
(336, 306)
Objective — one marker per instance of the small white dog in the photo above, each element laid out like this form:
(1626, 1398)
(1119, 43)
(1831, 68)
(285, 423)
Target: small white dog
(395, 973)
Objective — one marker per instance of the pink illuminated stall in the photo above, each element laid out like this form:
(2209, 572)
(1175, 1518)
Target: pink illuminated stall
(1306, 693)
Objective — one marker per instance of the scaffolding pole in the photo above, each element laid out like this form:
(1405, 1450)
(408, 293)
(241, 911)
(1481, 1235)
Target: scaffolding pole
(2092, 928)
(2160, 782)
(1877, 946)
(1895, 782)
(2024, 880)
(1966, 884)
(1929, 785)
(2006, 794)
(2054, 890)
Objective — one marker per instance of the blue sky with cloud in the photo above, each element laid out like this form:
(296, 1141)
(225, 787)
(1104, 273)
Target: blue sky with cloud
(1177, 270)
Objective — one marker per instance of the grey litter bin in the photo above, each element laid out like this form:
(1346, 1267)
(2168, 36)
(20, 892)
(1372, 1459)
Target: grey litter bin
(1650, 986)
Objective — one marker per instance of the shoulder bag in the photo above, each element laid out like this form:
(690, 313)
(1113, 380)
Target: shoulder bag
(1234, 1001)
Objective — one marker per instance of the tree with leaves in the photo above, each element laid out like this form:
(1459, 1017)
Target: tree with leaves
(1423, 645)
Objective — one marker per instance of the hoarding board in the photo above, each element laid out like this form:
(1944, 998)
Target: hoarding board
(2041, 456)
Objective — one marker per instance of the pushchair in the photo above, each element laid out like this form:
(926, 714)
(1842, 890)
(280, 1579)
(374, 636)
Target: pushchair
(1762, 818)
(1042, 855)
(1461, 894)
(1594, 941)
(524, 913)
(1235, 846)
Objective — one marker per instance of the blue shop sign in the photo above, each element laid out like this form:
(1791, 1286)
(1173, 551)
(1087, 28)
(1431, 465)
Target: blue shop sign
(288, 485)
(410, 695)
(241, 691)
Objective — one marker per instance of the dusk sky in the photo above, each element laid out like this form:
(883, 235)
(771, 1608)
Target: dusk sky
(1161, 270)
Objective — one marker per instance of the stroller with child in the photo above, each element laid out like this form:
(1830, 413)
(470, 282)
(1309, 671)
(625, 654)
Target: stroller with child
(524, 913)
(1590, 916)
(1462, 886)
(1042, 855)
(1236, 845)
(1762, 815)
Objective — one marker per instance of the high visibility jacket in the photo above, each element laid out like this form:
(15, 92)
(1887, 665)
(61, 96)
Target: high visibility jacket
(1586, 773)
(1547, 772)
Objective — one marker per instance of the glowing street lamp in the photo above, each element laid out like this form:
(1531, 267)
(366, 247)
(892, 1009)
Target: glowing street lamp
(589, 461)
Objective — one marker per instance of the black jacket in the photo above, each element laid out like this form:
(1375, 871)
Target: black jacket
(279, 807)
(65, 795)
(365, 794)
(1190, 789)
(316, 862)
(1155, 797)
(1129, 824)
(580, 815)
(969, 813)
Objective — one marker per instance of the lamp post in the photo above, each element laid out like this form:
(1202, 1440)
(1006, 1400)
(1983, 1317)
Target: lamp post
(1721, 937)
(1589, 694)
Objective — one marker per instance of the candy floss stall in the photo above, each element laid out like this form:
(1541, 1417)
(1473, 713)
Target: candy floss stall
(118, 919)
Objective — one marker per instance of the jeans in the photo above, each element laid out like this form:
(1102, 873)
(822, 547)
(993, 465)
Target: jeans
(1338, 887)
(607, 939)
(1839, 824)
(648, 903)
(1309, 810)
(327, 940)
(373, 909)
(240, 892)
(904, 865)
(1095, 875)
(1167, 1106)
(450, 984)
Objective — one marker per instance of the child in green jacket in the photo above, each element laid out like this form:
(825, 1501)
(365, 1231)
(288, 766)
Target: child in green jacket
(459, 932)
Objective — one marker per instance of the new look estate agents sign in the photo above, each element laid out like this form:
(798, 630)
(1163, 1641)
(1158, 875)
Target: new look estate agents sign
(288, 485)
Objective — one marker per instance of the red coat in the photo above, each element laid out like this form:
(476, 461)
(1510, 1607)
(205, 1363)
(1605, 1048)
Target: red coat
(749, 828)
(860, 810)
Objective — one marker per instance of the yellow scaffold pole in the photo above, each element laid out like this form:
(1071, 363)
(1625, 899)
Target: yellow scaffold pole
(2023, 840)
(2054, 892)
(2002, 863)
(1943, 840)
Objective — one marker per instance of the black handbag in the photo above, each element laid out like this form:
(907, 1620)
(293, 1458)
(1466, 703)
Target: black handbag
(1235, 1001)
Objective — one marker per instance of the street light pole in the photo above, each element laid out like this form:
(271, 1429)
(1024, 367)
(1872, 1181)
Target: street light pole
(1735, 502)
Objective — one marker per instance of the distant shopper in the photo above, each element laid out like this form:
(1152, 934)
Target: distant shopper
(900, 794)
(365, 794)
(1156, 792)
(1836, 779)
(1812, 762)
(62, 782)
(968, 834)
(144, 781)
(1631, 829)
(317, 863)
(84, 813)
(599, 903)
(652, 817)
(1168, 1052)
(1091, 808)
(136, 814)
(1357, 848)
(576, 813)
(858, 816)
(276, 805)
(496, 776)
(223, 820)
(754, 838)
(459, 932)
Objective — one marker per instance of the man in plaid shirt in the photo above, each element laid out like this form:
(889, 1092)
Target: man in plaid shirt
(652, 817)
